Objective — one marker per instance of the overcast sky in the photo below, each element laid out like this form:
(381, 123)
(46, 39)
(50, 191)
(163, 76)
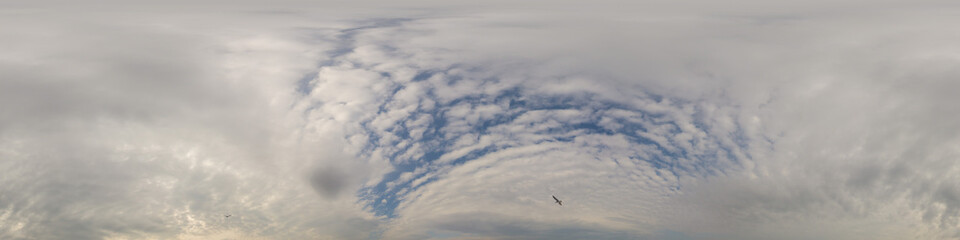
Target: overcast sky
(674, 120)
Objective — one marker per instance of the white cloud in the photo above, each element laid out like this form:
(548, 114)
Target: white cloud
(741, 120)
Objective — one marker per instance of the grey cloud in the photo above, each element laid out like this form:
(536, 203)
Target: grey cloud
(508, 227)
(134, 129)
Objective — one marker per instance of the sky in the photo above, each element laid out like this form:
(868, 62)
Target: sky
(672, 120)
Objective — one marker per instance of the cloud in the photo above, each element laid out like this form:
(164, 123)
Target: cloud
(470, 144)
(141, 130)
(681, 120)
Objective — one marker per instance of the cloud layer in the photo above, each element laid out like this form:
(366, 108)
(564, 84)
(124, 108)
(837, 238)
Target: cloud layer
(456, 121)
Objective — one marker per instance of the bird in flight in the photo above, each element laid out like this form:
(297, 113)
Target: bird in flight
(558, 200)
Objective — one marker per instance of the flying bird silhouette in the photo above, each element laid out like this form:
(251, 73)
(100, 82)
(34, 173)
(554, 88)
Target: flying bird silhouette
(558, 200)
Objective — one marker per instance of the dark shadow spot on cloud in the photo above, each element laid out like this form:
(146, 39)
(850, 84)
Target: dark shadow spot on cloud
(328, 182)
